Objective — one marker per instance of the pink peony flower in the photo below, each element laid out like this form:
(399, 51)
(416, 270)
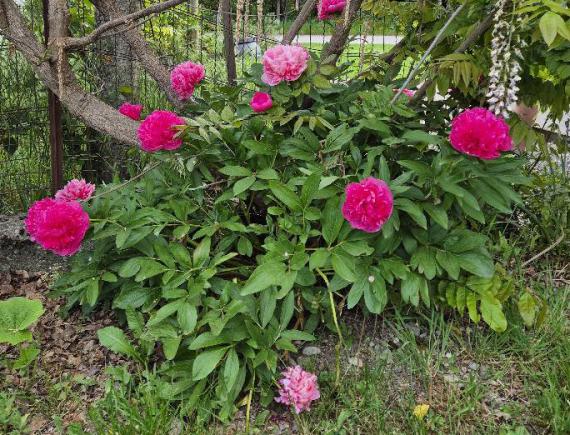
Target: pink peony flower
(157, 131)
(477, 132)
(298, 388)
(326, 8)
(185, 77)
(284, 62)
(368, 204)
(76, 190)
(133, 111)
(261, 102)
(58, 226)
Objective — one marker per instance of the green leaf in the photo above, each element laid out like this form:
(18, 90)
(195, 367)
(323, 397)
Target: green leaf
(410, 289)
(343, 264)
(27, 356)
(130, 267)
(265, 275)
(492, 313)
(243, 184)
(338, 138)
(471, 302)
(164, 312)
(285, 195)
(294, 334)
(424, 260)
(92, 292)
(201, 252)
(549, 24)
(206, 362)
(477, 263)
(420, 136)
(235, 171)
(231, 369)
(413, 210)
(310, 188)
(287, 310)
(181, 254)
(319, 258)
(449, 263)
(114, 339)
(170, 347)
(149, 268)
(356, 291)
(527, 308)
(16, 315)
(267, 304)
(331, 220)
(438, 214)
(187, 317)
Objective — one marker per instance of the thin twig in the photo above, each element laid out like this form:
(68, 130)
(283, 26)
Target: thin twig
(120, 186)
(126, 19)
(544, 251)
(428, 51)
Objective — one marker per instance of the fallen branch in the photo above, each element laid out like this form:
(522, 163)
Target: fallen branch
(545, 251)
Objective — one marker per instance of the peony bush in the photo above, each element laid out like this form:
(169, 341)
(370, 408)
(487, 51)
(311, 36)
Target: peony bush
(260, 217)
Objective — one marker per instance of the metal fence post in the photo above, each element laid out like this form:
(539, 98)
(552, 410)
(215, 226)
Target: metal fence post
(55, 121)
(226, 9)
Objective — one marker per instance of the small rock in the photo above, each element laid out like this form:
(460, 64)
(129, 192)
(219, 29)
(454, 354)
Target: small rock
(311, 350)
(448, 355)
(386, 355)
(484, 372)
(451, 378)
(355, 361)
(414, 329)
(473, 366)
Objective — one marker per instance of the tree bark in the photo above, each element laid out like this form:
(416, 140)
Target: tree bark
(301, 19)
(338, 40)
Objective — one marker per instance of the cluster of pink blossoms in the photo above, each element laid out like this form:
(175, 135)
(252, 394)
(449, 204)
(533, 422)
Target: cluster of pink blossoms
(158, 130)
(478, 132)
(368, 204)
(132, 111)
(284, 63)
(327, 8)
(261, 102)
(185, 77)
(298, 388)
(59, 225)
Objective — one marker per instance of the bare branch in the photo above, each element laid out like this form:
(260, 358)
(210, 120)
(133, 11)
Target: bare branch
(74, 43)
(468, 41)
(144, 53)
(91, 110)
(342, 31)
(301, 19)
(428, 51)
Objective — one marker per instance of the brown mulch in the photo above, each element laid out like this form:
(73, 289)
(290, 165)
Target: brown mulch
(69, 373)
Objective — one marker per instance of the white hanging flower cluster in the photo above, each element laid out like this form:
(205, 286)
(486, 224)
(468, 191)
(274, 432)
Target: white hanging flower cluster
(505, 69)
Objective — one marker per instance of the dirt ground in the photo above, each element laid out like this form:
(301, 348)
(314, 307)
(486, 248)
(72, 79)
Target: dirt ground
(69, 373)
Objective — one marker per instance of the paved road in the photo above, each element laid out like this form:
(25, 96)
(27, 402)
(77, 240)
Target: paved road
(321, 39)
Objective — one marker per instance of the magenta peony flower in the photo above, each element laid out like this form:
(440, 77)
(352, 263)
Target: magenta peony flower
(284, 62)
(477, 132)
(58, 226)
(133, 111)
(185, 77)
(261, 102)
(298, 388)
(326, 8)
(76, 190)
(368, 204)
(157, 131)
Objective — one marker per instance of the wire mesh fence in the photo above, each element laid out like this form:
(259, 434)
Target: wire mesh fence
(108, 69)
